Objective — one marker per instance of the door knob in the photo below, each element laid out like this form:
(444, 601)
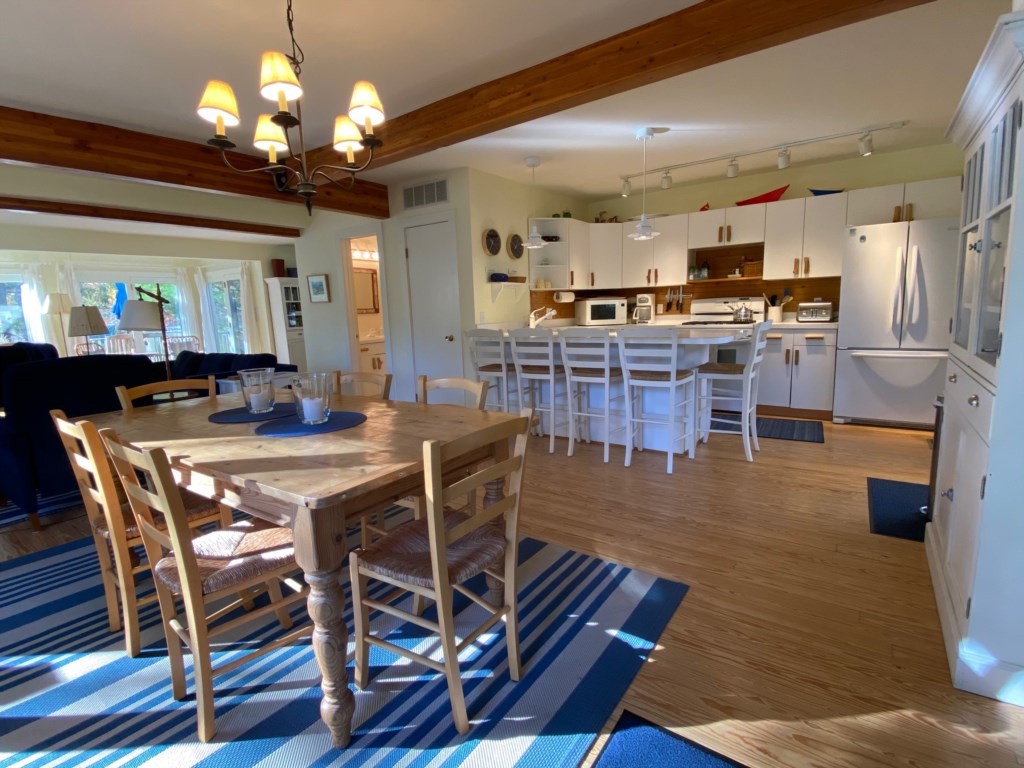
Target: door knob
(947, 494)
(449, 337)
(974, 401)
(951, 378)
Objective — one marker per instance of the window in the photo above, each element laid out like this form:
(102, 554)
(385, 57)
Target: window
(12, 320)
(109, 295)
(225, 297)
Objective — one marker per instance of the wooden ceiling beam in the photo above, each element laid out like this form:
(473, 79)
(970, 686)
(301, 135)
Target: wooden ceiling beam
(62, 208)
(708, 33)
(46, 140)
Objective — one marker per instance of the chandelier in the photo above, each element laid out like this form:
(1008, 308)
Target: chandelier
(279, 82)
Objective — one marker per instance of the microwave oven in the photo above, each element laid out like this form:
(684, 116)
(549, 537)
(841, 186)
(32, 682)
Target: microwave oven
(604, 310)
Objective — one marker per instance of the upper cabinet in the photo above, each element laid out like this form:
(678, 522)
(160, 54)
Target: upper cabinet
(605, 256)
(564, 260)
(727, 226)
(931, 199)
(824, 233)
(661, 261)
(783, 239)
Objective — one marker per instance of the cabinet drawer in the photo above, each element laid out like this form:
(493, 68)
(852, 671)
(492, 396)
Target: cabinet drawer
(815, 338)
(968, 396)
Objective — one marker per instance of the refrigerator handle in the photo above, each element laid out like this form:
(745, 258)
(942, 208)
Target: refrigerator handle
(897, 296)
(912, 283)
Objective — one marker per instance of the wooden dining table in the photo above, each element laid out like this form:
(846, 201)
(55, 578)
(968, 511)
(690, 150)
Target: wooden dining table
(317, 485)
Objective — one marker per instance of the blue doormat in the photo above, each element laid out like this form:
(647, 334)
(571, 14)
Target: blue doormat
(894, 508)
(779, 429)
(639, 743)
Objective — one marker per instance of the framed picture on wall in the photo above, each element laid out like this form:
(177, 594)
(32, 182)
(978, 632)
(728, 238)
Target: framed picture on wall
(319, 291)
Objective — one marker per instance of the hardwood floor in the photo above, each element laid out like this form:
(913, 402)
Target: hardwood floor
(804, 640)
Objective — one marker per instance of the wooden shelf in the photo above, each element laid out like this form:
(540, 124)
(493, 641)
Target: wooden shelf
(726, 280)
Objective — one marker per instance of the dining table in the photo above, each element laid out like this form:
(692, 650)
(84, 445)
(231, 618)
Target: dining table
(318, 485)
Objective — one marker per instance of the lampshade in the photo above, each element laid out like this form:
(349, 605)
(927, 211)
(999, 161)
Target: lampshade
(347, 135)
(269, 135)
(56, 304)
(535, 240)
(86, 321)
(139, 315)
(365, 105)
(644, 230)
(219, 101)
(277, 76)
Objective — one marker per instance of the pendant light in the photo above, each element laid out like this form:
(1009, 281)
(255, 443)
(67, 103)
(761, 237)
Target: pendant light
(644, 228)
(534, 240)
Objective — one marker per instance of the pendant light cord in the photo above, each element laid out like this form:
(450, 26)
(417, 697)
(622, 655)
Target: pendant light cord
(643, 182)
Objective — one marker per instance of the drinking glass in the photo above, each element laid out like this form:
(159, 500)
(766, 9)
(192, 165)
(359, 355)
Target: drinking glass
(312, 392)
(258, 389)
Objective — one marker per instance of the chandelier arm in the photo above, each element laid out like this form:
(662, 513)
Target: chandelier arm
(351, 169)
(268, 168)
(349, 184)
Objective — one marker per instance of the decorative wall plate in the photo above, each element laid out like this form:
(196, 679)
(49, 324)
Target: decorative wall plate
(492, 242)
(514, 246)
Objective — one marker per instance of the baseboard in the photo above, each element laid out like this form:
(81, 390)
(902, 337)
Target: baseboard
(793, 413)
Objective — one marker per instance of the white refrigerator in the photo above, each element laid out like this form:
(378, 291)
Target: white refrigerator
(895, 316)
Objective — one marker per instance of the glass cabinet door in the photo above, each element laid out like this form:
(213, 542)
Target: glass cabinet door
(992, 275)
(967, 288)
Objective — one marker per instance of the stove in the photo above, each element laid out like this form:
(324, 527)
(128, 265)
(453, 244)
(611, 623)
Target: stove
(720, 322)
(720, 311)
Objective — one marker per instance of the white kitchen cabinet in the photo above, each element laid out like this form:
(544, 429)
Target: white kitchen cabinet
(783, 239)
(798, 369)
(579, 253)
(975, 538)
(671, 250)
(727, 226)
(824, 233)
(930, 199)
(605, 256)
(372, 357)
(637, 258)
(286, 320)
(564, 262)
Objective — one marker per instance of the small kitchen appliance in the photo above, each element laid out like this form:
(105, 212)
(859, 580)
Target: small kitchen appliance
(814, 312)
(602, 310)
(644, 311)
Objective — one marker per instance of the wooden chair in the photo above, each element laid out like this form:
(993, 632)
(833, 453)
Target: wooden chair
(476, 389)
(364, 383)
(432, 558)
(114, 530)
(120, 344)
(191, 388)
(178, 343)
(251, 558)
(747, 374)
(89, 348)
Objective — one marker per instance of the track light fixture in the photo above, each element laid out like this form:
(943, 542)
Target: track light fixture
(666, 180)
(866, 145)
(627, 188)
(732, 170)
(783, 159)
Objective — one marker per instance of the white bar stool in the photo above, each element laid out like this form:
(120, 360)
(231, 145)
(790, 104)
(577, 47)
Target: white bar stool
(747, 373)
(489, 351)
(587, 357)
(649, 356)
(538, 361)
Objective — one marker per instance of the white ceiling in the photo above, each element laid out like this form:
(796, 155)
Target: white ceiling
(143, 65)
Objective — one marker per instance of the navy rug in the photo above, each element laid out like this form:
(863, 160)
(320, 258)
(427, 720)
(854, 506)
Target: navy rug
(639, 743)
(779, 429)
(894, 508)
(51, 505)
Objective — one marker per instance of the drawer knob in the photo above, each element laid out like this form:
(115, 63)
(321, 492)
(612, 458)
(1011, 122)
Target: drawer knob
(951, 378)
(973, 401)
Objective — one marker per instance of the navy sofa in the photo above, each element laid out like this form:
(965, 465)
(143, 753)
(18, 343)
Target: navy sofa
(32, 459)
(191, 365)
(23, 352)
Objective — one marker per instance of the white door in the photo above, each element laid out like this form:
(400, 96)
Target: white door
(931, 271)
(605, 256)
(745, 224)
(773, 378)
(783, 239)
(434, 302)
(824, 233)
(871, 294)
(637, 259)
(965, 518)
(707, 228)
(874, 205)
(670, 249)
(814, 373)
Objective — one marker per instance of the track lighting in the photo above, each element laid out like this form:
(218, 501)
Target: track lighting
(666, 181)
(626, 187)
(866, 145)
(783, 159)
(732, 170)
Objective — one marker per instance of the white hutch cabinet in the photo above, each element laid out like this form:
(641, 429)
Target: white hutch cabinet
(975, 542)
(286, 320)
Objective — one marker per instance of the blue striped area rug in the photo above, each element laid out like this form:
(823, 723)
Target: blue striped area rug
(70, 696)
(12, 513)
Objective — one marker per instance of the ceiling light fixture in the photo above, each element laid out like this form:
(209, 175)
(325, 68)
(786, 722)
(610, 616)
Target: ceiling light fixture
(783, 159)
(627, 188)
(732, 169)
(279, 82)
(534, 240)
(666, 180)
(644, 229)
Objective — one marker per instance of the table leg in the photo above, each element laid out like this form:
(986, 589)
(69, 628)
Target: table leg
(326, 604)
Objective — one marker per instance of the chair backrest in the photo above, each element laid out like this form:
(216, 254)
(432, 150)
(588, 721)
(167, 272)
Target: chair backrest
(438, 495)
(648, 349)
(364, 383)
(534, 347)
(586, 352)
(120, 344)
(190, 387)
(145, 475)
(487, 347)
(759, 341)
(178, 344)
(89, 348)
(478, 389)
(93, 472)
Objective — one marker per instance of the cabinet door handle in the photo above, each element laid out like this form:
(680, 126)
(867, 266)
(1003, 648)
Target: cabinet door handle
(897, 213)
(720, 229)
(796, 357)
(807, 265)
(951, 378)
(655, 275)
(796, 266)
(450, 337)
(572, 278)
(947, 494)
(809, 336)
(974, 401)
(728, 233)
(787, 357)
(648, 277)
(774, 336)
(591, 279)
(364, 349)
(908, 214)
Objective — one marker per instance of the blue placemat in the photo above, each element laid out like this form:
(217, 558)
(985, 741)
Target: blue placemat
(241, 415)
(292, 427)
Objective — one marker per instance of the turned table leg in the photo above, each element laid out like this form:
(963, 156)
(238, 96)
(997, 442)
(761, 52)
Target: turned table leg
(326, 606)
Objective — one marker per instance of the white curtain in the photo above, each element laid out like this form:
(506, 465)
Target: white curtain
(189, 302)
(250, 285)
(206, 332)
(32, 307)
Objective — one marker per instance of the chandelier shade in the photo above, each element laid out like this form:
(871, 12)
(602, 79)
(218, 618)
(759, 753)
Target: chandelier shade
(269, 136)
(347, 137)
(218, 105)
(365, 108)
(278, 80)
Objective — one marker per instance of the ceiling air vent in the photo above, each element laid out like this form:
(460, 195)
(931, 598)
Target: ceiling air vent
(425, 194)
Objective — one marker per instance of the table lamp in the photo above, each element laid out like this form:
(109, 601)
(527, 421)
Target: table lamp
(86, 321)
(58, 304)
(140, 315)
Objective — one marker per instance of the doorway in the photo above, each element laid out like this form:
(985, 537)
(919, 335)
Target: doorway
(369, 316)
